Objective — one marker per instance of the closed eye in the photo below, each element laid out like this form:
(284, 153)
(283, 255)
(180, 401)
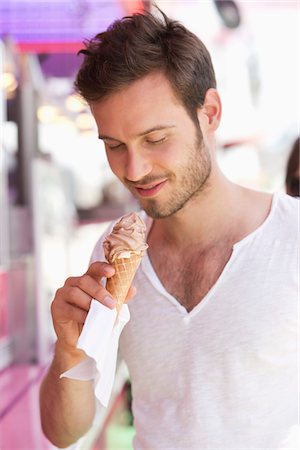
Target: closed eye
(157, 141)
(113, 146)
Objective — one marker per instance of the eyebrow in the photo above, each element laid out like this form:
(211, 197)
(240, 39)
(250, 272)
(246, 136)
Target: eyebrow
(143, 133)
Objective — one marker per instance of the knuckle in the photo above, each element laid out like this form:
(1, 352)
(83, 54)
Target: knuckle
(52, 307)
(72, 293)
(69, 281)
(82, 281)
(58, 294)
(55, 307)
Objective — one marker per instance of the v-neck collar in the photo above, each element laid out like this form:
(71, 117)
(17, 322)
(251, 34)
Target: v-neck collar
(149, 271)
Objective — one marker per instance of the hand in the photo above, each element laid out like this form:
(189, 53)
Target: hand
(72, 302)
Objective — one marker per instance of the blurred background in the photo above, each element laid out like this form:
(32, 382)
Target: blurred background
(57, 192)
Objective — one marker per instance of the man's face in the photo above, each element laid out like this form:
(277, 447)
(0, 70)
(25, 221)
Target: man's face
(153, 146)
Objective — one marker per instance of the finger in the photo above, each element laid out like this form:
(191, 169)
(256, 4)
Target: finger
(76, 314)
(100, 269)
(131, 293)
(76, 296)
(71, 281)
(93, 288)
(64, 312)
(97, 270)
(80, 291)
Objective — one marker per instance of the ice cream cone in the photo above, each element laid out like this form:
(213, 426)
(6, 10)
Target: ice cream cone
(118, 285)
(123, 249)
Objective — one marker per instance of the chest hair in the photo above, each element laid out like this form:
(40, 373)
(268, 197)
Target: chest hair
(190, 275)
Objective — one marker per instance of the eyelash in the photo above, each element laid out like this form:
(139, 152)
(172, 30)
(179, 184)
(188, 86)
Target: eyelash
(114, 147)
(158, 141)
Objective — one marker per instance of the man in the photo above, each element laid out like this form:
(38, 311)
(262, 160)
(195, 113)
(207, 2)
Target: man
(211, 343)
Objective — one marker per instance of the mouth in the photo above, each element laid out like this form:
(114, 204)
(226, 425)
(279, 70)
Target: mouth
(149, 190)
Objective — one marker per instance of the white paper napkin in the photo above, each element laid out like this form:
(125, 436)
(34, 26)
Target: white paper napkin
(99, 340)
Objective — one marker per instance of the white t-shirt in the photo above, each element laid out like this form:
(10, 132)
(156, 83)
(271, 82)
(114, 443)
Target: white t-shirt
(225, 375)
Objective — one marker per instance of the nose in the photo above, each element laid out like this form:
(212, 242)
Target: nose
(138, 165)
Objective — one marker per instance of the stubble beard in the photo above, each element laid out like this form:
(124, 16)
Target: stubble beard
(191, 180)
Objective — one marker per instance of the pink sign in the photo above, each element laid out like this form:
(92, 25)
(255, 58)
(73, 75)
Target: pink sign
(3, 304)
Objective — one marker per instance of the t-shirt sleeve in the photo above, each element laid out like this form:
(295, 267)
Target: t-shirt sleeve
(98, 251)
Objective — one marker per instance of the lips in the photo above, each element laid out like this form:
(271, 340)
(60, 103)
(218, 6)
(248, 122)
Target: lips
(149, 190)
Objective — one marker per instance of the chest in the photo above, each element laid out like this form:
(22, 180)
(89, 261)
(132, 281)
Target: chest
(189, 276)
(249, 319)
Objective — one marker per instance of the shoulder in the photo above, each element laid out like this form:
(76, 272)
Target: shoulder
(286, 214)
(287, 207)
(98, 252)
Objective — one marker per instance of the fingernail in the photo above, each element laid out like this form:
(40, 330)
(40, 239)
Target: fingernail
(134, 289)
(110, 302)
(109, 270)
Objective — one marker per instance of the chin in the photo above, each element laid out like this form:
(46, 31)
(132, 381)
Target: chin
(161, 212)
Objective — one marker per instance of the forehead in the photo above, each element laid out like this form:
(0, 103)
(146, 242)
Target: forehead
(147, 87)
(139, 104)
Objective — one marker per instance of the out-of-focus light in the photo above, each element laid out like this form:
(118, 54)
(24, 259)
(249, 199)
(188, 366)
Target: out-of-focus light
(8, 81)
(63, 120)
(74, 104)
(47, 113)
(88, 134)
(84, 121)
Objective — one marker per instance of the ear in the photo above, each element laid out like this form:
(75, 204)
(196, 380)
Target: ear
(210, 113)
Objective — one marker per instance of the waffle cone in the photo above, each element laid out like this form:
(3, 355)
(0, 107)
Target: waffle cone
(118, 285)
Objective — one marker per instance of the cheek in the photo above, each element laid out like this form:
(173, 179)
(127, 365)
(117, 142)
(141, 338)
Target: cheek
(165, 152)
(116, 163)
(173, 155)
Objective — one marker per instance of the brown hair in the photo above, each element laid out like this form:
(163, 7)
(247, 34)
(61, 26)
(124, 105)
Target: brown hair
(292, 178)
(138, 45)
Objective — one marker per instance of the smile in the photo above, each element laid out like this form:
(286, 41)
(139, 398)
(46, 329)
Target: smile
(149, 190)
